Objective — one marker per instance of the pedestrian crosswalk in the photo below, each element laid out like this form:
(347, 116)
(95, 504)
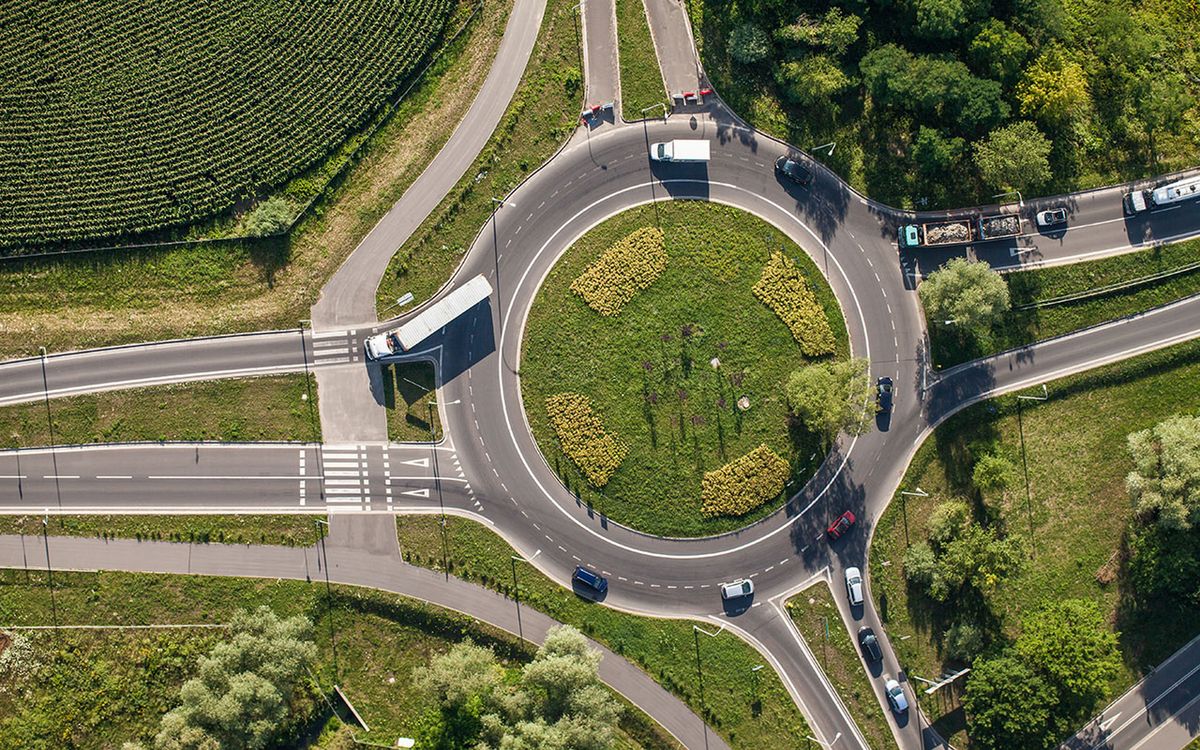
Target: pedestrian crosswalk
(375, 477)
(336, 347)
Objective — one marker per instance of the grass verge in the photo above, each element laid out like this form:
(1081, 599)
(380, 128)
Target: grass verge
(1079, 514)
(247, 409)
(649, 374)
(290, 531)
(95, 299)
(816, 617)
(411, 402)
(542, 114)
(951, 345)
(661, 647)
(95, 689)
(641, 81)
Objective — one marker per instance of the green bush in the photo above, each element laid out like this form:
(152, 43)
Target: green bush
(784, 289)
(269, 218)
(743, 484)
(583, 438)
(622, 271)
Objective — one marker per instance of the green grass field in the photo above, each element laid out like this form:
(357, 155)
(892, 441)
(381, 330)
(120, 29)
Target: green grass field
(664, 648)
(641, 80)
(1075, 446)
(1020, 327)
(817, 618)
(543, 113)
(266, 408)
(292, 531)
(410, 401)
(96, 688)
(648, 370)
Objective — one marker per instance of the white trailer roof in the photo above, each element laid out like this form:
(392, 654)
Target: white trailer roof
(690, 149)
(1188, 188)
(443, 311)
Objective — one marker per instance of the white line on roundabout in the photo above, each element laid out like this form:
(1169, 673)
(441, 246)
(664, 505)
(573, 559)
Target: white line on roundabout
(521, 283)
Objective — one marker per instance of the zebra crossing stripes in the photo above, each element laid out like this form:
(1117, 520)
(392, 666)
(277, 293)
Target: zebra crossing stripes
(346, 479)
(336, 347)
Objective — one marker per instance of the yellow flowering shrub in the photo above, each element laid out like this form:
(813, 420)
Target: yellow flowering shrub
(622, 271)
(596, 452)
(784, 289)
(744, 483)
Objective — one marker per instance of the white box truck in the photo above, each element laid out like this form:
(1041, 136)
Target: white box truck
(679, 150)
(424, 324)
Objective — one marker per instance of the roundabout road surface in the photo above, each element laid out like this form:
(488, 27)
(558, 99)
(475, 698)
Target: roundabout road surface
(501, 475)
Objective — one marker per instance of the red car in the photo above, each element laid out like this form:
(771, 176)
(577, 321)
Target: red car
(840, 525)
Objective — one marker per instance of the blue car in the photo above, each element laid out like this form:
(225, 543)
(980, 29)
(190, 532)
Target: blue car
(593, 581)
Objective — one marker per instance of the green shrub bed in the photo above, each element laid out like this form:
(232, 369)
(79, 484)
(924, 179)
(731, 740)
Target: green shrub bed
(596, 452)
(623, 270)
(744, 483)
(784, 288)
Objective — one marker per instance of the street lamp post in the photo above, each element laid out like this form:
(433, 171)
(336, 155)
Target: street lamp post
(50, 425)
(497, 203)
(1025, 463)
(312, 415)
(50, 573)
(437, 483)
(517, 590)
(829, 146)
(655, 106)
(328, 597)
(1020, 200)
(754, 676)
(696, 631)
(904, 509)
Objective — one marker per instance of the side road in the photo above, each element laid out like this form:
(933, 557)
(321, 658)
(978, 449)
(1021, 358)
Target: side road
(357, 567)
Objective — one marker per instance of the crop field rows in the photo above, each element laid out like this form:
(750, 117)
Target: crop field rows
(116, 121)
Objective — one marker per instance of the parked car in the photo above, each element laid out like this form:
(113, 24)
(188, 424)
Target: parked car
(895, 695)
(739, 588)
(840, 525)
(883, 395)
(869, 644)
(593, 581)
(793, 170)
(1052, 217)
(854, 586)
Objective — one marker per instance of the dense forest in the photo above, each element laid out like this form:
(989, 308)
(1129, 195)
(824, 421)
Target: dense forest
(935, 103)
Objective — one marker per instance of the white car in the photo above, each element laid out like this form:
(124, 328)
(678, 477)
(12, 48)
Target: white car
(895, 695)
(854, 586)
(1052, 217)
(739, 588)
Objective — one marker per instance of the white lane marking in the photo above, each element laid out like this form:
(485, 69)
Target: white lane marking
(1151, 704)
(118, 385)
(114, 476)
(61, 476)
(429, 478)
(13, 476)
(325, 350)
(341, 464)
(340, 473)
(193, 477)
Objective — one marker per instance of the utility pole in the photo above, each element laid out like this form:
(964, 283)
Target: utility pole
(50, 425)
(904, 509)
(328, 598)
(312, 414)
(437, 483)
(517, 590)
(696, 631)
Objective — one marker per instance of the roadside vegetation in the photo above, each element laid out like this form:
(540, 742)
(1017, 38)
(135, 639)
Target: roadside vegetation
(276, 407)
(689, 374)
(1104, 288)
(1073, 592)
(112, 297)
(542, 115)
(819, 622)
(98, 688)
(934, 103)
(291, 531)
(750, 709)
(411, 402)
(641, 80)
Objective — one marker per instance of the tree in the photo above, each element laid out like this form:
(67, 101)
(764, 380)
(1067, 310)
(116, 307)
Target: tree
(998, 52)
(967, 292)
(748, 44)
(243, 692)
(939, 19)
(271, 217)
(1165, 482)
(812, 81)
(978, 559)
(832, 397)
(935, 154)
(1014, 157)
(835, 31)
(1054, 89)
(948, 521)
(1164, 564)
(1070, 645)
(993, 473)
(1161, 100)
(964, 641)
(1008, 705)
(920, 565)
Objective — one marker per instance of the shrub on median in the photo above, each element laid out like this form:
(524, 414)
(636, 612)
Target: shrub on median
(784, 289)
(743, 484)
(622, 271)
(583, 438)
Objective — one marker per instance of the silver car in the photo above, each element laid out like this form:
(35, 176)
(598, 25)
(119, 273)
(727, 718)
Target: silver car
(1052, 217)
(739, 588)
(854, 586)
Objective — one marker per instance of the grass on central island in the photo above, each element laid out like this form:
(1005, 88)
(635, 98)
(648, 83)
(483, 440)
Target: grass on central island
(649, 370)
(1078, 517)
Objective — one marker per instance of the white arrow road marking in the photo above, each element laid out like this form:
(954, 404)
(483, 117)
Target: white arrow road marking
(417, 493)
(1104, 725)
(422, 462)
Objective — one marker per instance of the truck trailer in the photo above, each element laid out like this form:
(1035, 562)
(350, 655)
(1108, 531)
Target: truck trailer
(957, 232)
(435, 317)
(680, 151)
(999, 226)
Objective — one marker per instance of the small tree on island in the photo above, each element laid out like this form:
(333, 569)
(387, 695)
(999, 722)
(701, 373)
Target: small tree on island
(832, 397)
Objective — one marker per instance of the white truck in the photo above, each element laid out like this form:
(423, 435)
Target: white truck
(427, 322)
(1181, 190)
(680, 150)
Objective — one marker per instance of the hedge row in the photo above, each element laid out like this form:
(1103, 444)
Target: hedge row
(596, 452)
(743, 484)
(784, 289)
(622, 271)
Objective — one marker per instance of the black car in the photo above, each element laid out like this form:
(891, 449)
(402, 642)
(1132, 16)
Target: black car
(793, 170)
(869, 644)
(883, 395)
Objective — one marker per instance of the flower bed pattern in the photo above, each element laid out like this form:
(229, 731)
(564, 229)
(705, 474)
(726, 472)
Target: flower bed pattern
(784, 289)
(743, 484)
(583, 438)
(623, 270)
